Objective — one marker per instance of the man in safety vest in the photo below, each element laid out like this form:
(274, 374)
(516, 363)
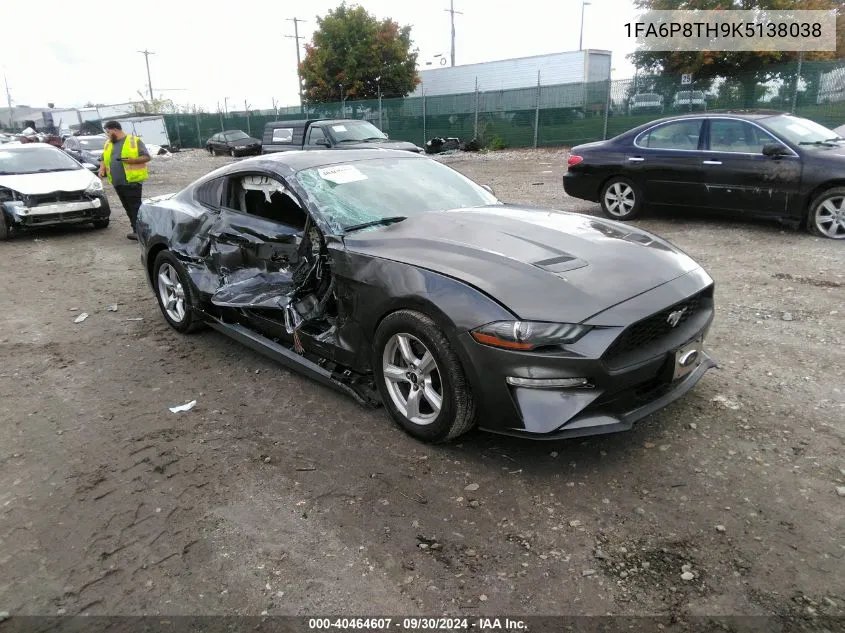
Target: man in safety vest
(124, 161)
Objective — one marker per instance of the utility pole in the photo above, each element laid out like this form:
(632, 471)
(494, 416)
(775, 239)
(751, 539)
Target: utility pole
(146, 55)
(9, 101)
(295, 36)
(584, 3)
(451, 10)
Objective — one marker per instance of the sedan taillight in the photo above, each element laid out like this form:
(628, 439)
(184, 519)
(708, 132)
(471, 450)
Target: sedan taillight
(574, 159)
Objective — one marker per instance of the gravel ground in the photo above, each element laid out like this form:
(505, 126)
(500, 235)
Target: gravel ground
(277, 495)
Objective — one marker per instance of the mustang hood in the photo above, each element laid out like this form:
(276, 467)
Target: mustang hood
(542, 265)
(48, 182)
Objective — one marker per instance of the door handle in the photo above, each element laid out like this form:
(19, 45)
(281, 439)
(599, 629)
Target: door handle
(711, 162)
(635, 159)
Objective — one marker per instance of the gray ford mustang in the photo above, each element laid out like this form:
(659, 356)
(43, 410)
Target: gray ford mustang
(399, 281)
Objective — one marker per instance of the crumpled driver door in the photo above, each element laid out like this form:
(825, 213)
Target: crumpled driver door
(257, 255)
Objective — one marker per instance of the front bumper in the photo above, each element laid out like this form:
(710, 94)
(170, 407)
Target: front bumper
(629, 376)
(97, 208)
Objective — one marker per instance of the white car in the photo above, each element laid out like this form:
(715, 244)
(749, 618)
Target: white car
(40, 185)
(645, 102)
(689, 99)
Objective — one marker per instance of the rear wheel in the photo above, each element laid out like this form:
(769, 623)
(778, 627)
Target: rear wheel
(826, 217)
(232, 152)
(420, 378)
(210, 150)
(620, 199)
(175, 294)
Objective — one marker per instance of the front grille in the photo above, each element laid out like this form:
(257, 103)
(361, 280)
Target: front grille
(653, 328)
(47, 218)
(57, 197)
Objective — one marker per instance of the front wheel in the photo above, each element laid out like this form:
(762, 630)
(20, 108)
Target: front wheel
(210, 150)
(827, 214)
(174, 292)
(620, 199)
(4, 226)
(420, 378)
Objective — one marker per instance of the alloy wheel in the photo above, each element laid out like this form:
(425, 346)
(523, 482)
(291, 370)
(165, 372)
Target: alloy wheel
(171, 292)
(412, 379)
(830, 217)
(619, 199)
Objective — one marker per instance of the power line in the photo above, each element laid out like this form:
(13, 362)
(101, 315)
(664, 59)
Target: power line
(295, 36)
(146, 55)
(451, 10)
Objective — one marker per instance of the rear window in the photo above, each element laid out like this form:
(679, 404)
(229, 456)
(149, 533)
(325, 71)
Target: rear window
(283, 135)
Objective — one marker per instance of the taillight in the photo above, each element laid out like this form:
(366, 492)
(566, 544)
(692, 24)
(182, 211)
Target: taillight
(574, 159)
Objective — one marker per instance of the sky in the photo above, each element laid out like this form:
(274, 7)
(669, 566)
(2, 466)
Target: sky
(205, 54)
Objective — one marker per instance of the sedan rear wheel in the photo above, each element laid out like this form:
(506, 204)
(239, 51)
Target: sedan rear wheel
(827, 214)
(232, 152)
(176, 296)
(620, 199)
(420, 378)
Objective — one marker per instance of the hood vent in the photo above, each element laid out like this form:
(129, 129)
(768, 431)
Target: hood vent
(560, 264)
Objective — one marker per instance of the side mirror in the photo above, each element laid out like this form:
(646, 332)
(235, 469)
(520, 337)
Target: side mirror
(773, 150)
(489, 189)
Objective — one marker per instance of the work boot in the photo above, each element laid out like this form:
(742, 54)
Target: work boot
(131, 236)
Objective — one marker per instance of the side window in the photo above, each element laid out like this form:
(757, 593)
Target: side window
(676, 135)
(267, 198)
(315, 134)
(283, 135)
(728, 135)
(209, 194)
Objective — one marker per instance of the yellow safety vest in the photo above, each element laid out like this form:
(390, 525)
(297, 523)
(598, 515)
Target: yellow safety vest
(134, 173)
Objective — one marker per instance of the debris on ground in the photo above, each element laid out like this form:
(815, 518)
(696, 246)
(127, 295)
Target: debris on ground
(726, 402)
(588, 572)
(112, 308)
(438, 145)
(471, 487)
(787, 316)
(184, 407)
(840, 490)
(81, 318)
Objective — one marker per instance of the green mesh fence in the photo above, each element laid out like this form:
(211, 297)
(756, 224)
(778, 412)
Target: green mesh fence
(561, 115)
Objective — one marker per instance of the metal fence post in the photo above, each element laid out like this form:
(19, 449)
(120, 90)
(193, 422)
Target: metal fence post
(797, 81)
(537, 112)
(607, 107)
(199, 134)
(475, 125)
(246, 109)
(423, 110)
(178, 130)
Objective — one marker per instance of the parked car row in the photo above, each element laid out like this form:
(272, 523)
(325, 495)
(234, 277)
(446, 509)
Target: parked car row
(645, 102)
(763, 164)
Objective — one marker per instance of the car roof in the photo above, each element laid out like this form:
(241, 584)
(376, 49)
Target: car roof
(36, 145)
(297, 160)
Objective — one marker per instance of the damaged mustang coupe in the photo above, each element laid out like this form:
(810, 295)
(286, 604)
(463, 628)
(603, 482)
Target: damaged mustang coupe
(397, 280)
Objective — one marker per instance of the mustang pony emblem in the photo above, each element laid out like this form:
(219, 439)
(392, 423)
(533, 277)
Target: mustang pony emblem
(675, 317)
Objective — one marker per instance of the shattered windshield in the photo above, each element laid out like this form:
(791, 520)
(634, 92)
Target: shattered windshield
(353, 194)
(94, 143)
(32, 160)
(236, 136)
(354, 131)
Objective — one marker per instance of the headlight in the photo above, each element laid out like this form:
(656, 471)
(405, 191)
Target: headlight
(528, 335)
(96, 186)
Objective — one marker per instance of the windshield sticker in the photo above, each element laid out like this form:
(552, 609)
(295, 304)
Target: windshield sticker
(341, 174)
(339, 128)
(798, 129)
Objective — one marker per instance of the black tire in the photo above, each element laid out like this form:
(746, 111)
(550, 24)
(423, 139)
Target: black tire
(210, 150)
(101, 224)
(624, 189)
(457, 411)
(816, 206)
(191, 322)
(232, 152)
(4, 227)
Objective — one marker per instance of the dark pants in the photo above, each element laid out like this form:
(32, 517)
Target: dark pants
(130, 198)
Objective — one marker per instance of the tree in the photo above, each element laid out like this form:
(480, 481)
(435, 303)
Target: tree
(351, 48)
(747, 70)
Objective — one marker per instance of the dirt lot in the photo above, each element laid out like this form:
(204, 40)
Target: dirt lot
(275, 494)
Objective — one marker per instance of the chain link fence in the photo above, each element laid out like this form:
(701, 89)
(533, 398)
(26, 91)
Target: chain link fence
(559, 115)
